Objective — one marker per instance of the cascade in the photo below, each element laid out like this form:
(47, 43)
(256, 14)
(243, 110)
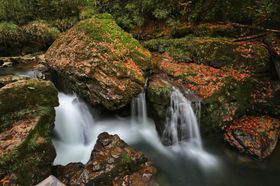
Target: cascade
(78, 118)
(181, 121)
(73, 130)
(139, 108)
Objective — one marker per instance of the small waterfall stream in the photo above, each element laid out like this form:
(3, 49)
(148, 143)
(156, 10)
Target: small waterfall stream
(181, 121)
(73, 130)
(183, 163)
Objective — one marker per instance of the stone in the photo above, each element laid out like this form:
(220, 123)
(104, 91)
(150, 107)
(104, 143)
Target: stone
(26, 119)
(254, 135)
(127, 167)
(225, 93)
(100, 62)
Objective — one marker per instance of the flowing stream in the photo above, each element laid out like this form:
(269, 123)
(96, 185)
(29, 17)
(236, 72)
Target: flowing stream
(192, 160)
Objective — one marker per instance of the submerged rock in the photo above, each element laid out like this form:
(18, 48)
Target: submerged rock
(100, 61)
(26, 120)
(257, 136)
(112, 162)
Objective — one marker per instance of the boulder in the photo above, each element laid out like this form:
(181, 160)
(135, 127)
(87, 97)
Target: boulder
(225, 93)
(100, 62)
(256, 136)
(216, 52)
(32, 37)
(112, 162)
(26, 120)
(51, 180)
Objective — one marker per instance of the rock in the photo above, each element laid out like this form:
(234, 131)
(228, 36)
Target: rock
(158, 95)
(32, 37)
(100, 62)
(256, 136)
(216, 52)
(26, 59)
(11, 39)
(40, 34)
(112, 162)
(155, 29)
(25, 94)
(225, 93)
(50, 181)
(26, 120)
(266, 98)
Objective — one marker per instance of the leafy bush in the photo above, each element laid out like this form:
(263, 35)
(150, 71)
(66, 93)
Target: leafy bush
(135, 13)
(23, 11)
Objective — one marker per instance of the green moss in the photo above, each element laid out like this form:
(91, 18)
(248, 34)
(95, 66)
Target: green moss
(40, 33)
(125, 157)
(102, 28)
(230, 102)
(64, 23)
(33, 152)
(44, 94)
(215, 52)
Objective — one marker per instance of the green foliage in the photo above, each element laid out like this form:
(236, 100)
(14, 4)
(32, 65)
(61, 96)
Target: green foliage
(41, 32)
(22, 11)
(135, 13)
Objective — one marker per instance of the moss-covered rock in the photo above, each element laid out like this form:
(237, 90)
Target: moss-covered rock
(266, 98)
(26, 120)
(26, 94)
(40, 34)
(112, 162)
(100, 61)
(226, 94)
(257, 136)
(158, 94)
(11, 38)
(215, 52)
(32, 37)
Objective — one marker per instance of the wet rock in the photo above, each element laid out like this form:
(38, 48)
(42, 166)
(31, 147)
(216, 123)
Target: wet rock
(158, 94)
(100, 61)
(51, 180)
(225, 93)
(112, 162)
(26, 120)
(256, 136)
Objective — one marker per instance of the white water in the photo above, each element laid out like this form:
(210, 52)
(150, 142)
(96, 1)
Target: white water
(77, 131)
(181, 121)
(182, 130)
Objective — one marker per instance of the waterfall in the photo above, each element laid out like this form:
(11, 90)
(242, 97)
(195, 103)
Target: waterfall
(73, 130)
(77, 117)
(181, 121)
(139, 108)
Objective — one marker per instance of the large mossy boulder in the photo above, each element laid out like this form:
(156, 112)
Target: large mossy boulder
(256, 136)
(215, 52)
(32, 37)
(100, 61)
(26, 120)
(225, 94)
(112, 162)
